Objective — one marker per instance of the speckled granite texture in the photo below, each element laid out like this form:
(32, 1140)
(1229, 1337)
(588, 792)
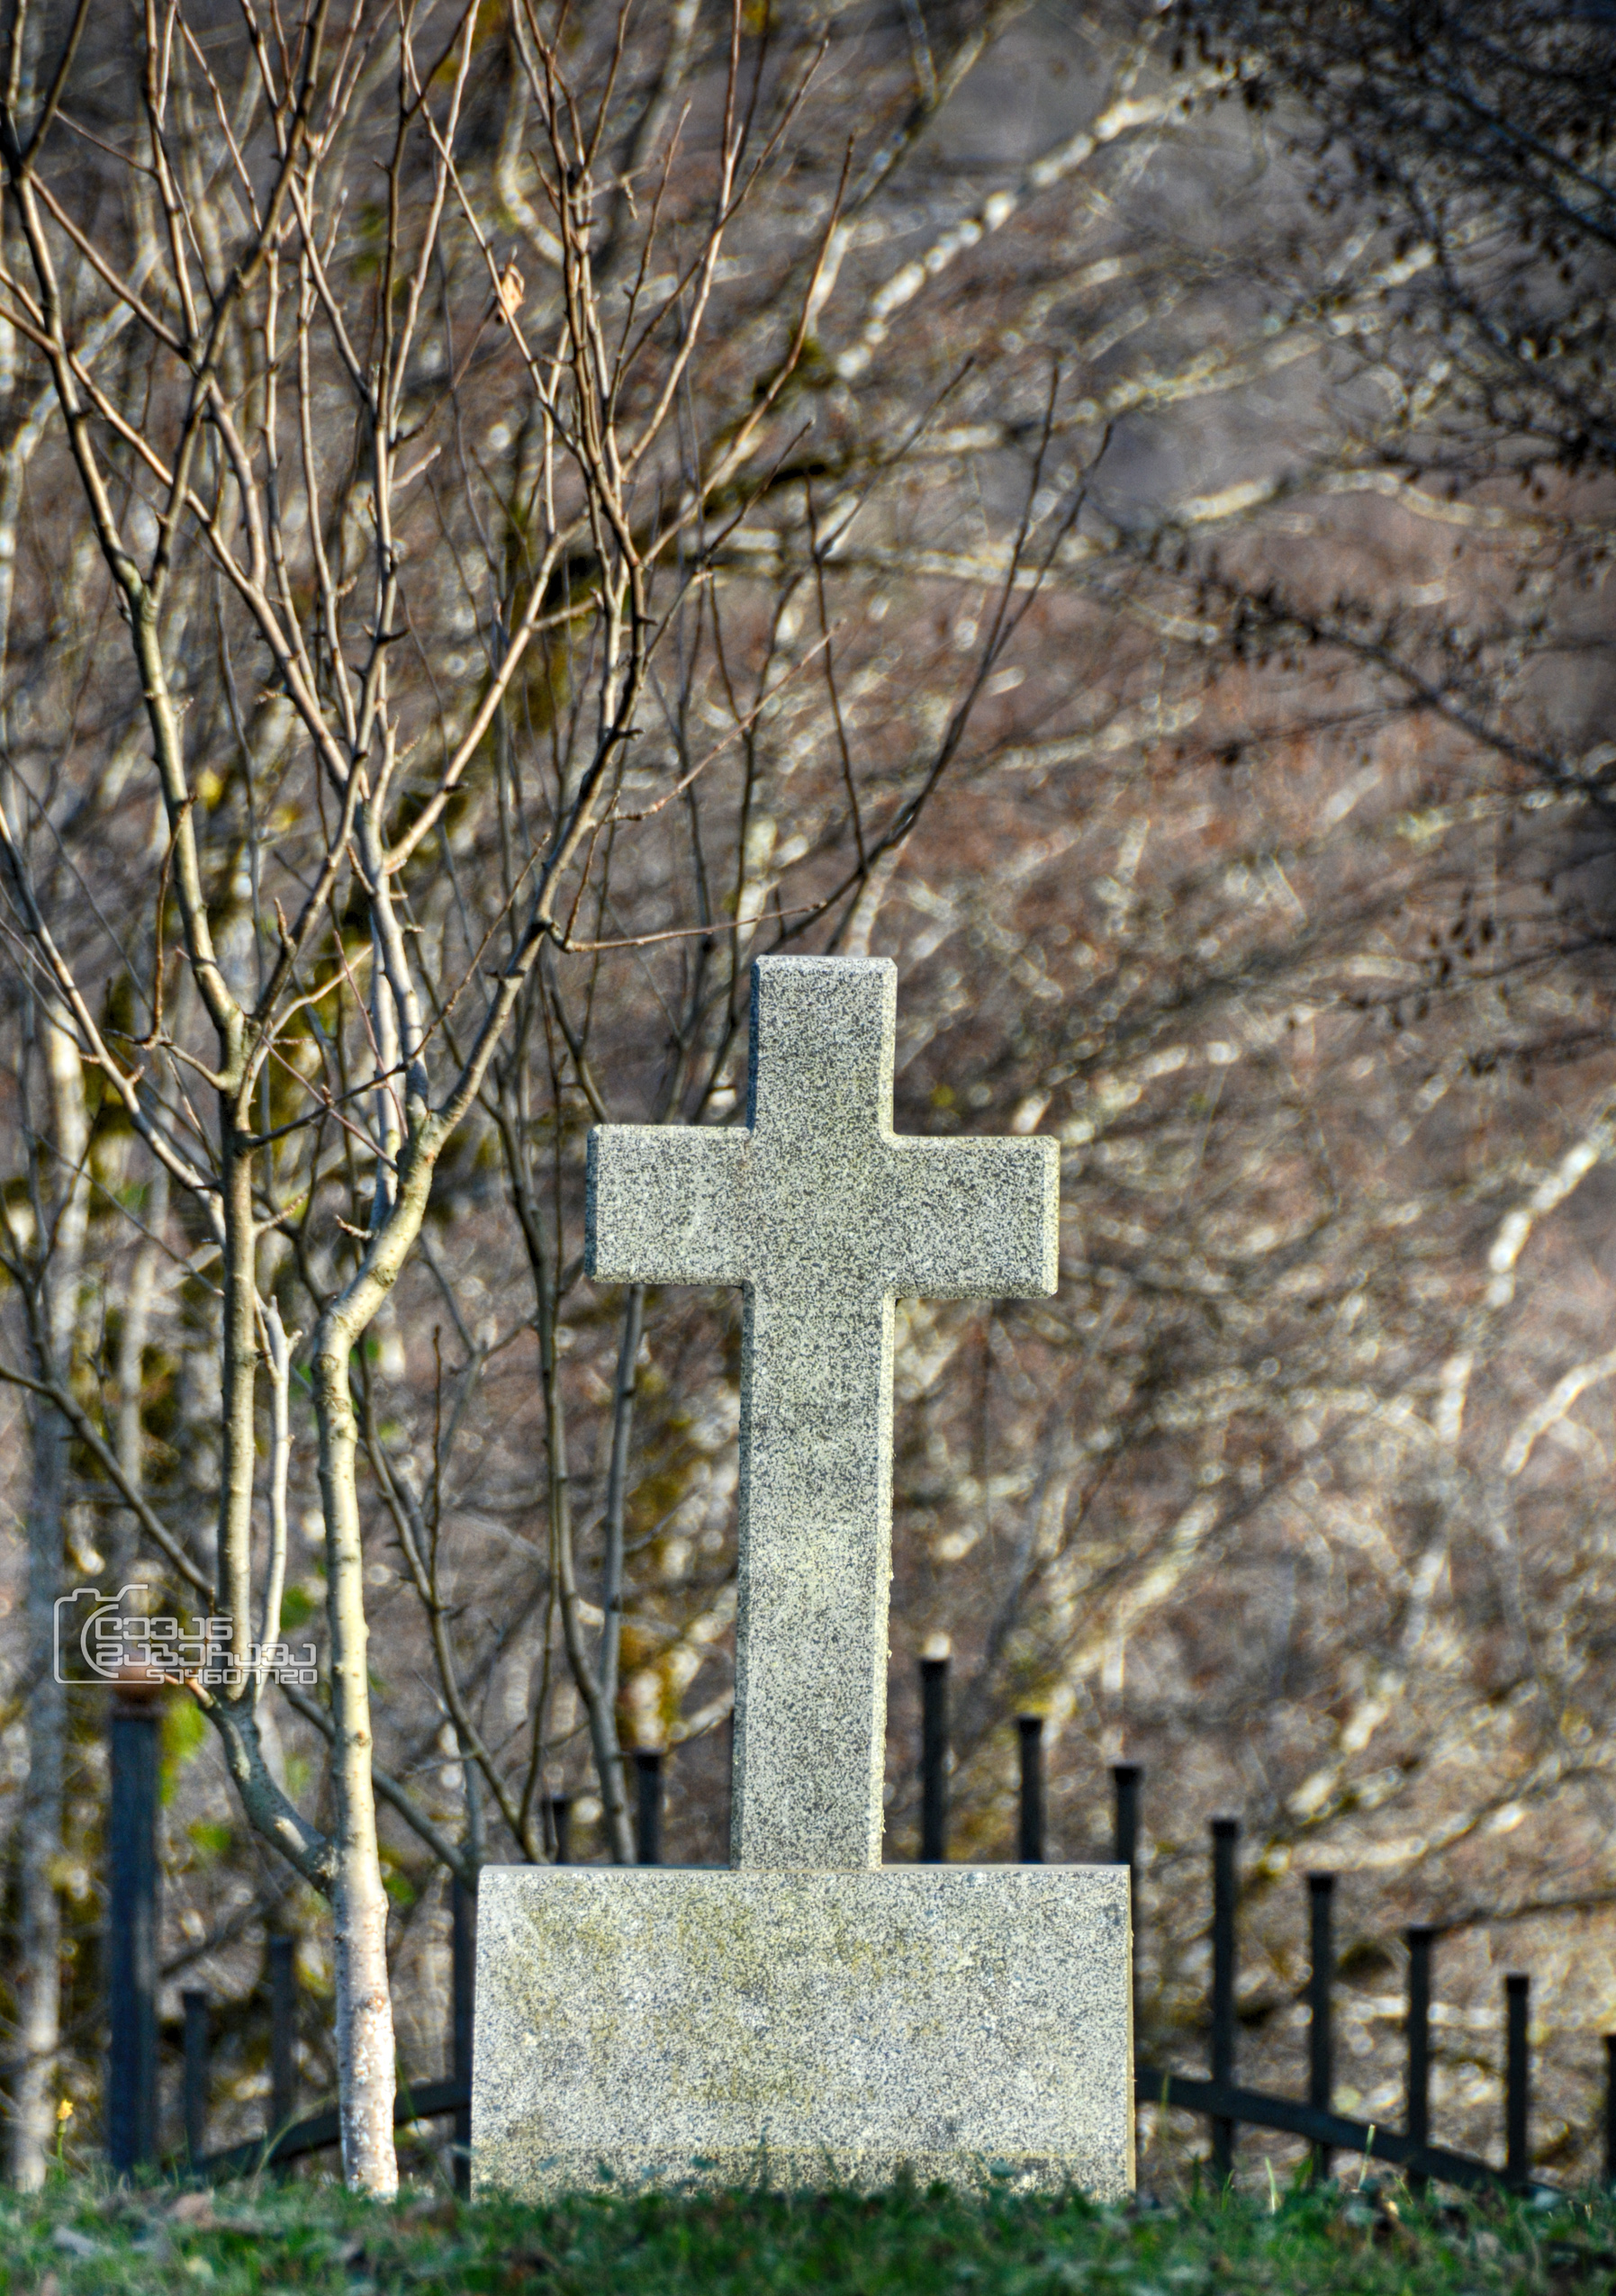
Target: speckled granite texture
(825, 1216)
(810, 2014)
(677, 2026)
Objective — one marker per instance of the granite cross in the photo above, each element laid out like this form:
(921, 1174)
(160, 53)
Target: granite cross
(808, 2010)
(825, 1216)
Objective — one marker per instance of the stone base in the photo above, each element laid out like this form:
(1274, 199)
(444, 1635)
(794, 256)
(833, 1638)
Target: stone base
(693, 2026)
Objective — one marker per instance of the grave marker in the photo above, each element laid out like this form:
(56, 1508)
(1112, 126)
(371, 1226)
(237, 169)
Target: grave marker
(808, 2008)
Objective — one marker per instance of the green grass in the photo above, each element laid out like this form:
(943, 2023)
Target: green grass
(85, 2239)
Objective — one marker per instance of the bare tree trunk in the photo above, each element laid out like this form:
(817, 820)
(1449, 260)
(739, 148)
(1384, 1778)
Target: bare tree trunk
(38, 1923)
(364, 2048)
(364, 2043)
(39, 1920)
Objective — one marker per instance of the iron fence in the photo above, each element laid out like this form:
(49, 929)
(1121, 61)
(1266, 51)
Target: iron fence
(1218, 2097)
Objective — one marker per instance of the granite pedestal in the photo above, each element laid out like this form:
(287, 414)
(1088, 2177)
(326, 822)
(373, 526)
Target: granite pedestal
(712, 2028)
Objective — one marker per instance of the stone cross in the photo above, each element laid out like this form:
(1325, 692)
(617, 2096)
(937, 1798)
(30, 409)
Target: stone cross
(825, 1216)
(808, 2013)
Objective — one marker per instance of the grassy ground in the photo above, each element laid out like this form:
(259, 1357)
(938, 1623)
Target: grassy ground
(84, 2240)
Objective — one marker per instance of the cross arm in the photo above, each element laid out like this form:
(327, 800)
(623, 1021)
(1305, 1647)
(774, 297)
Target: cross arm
(976, 1220)
(662, 1204)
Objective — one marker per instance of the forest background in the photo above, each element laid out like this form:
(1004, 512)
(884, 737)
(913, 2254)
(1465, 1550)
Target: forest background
(506, 514)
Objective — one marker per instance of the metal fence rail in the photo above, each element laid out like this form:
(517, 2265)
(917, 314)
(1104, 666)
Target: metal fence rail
(321, 2132)
(1222, 2101)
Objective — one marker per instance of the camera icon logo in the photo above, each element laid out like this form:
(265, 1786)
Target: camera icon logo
(94, 1641)
(115, 1639)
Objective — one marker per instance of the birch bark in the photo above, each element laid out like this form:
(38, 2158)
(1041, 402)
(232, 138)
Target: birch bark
(365, 2038)
(365, 2046)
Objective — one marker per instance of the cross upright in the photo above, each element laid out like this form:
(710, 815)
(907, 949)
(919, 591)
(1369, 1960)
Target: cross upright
(825, 1216)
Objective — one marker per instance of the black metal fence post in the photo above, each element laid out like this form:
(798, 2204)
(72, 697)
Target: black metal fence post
(647, 1763)
(728, 1789)
(1417, 2117)
(1124, 1822)
(1029, 1834)
(132, 1911)
(934, 1760)
(1124, 1851)
(283, 2033)
(561, 1826)
(195, 2093)
(1321, 1981)
(1225, 1835)
(463, 1957)
(1611, 2108)
(1517, 2168)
